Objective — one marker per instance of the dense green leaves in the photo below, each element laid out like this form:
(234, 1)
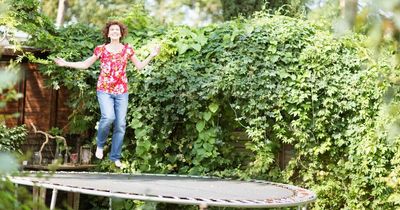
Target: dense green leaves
(11, 139)
(281, 81)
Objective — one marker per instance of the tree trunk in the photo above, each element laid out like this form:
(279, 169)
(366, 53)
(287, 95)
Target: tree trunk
(61, 13)
(349, 11)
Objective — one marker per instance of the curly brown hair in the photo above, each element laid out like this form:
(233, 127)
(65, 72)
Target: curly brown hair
(123, 28)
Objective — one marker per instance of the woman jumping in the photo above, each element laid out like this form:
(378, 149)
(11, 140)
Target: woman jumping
(112, 85)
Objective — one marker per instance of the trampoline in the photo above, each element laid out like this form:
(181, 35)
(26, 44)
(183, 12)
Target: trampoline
(179, 189)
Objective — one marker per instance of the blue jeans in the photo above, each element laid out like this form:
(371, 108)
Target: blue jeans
(113, 109)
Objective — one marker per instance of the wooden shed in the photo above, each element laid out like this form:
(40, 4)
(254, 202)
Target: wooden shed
(40, 104)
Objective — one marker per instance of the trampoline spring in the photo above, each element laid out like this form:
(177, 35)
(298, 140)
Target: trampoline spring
(219, 201)
(154, 196)
(228, 201)
(238, 201)
(165, 196)
(255, 201)
(199, 199)
(245, 201)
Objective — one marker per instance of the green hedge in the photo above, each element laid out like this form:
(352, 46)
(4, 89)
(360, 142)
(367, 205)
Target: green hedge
(280, 80)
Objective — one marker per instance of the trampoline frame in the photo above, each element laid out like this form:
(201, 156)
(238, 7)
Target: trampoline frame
(203, 203)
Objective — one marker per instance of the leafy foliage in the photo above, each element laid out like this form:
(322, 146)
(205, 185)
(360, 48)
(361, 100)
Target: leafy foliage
(23, 15)
(9, 77)
(282, 81)
(11, 139)
(76, 43)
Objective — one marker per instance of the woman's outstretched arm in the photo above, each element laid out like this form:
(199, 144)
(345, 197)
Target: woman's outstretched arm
(141, 64)
(77, 65)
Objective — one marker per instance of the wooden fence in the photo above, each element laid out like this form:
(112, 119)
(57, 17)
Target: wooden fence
(40, 104)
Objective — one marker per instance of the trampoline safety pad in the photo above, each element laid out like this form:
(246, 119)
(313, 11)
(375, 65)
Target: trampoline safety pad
(178, 189)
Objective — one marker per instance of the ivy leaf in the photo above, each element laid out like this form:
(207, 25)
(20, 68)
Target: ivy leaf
(182, 48)
(201, 152)
(234, 34)
(135, 123)
(200, 126)
(146, 145)
(208, 147)
(207, 116)
(249, 29)
(197, 47)
(272, 49)
(201, 39)
(139, 133)
(213, 107)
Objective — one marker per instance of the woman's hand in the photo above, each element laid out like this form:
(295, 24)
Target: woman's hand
(60, 62)
(155, 51)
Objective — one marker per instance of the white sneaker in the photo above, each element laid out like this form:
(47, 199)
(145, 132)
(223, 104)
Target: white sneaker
(99, 153)
(118, 163)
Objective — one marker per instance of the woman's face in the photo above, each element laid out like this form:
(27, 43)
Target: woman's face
(114, 32)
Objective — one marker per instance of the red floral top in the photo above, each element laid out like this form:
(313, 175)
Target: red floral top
(112, 78)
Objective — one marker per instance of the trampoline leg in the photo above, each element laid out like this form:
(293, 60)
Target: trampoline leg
(203, 206)
(110, 203)
(16, 196)
(53, 199)
(38, 195)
